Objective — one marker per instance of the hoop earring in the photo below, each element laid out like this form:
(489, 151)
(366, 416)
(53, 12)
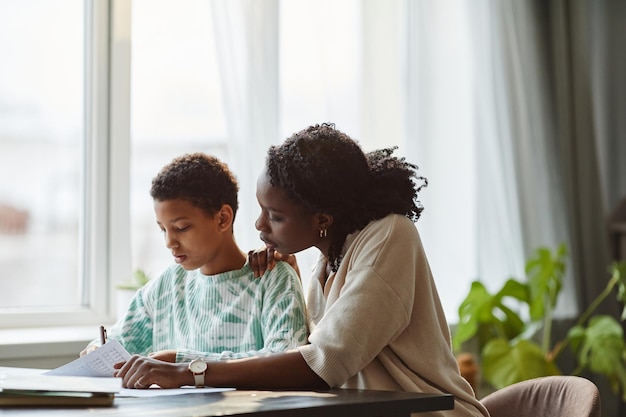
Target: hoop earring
(323, 232)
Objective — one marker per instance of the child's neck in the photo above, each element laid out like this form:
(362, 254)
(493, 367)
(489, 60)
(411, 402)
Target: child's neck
(231, 259)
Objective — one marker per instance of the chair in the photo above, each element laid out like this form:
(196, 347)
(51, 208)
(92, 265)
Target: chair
(549, 396)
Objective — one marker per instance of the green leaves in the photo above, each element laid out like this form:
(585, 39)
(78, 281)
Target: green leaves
(487, 316)
(600, 348)
(618, 275)
(511, 349)
(506, 362)
(138, 280)
(545, 279)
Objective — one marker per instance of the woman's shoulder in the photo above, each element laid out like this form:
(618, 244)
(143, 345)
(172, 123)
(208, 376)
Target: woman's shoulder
(393, 233)
(392, 224)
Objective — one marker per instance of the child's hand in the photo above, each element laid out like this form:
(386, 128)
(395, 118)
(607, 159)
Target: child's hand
(264, 259)
(87, 350)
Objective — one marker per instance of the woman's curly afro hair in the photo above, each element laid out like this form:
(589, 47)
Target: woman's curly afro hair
(324, 170)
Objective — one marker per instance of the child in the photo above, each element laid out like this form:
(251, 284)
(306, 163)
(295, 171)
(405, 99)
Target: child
(208, 304)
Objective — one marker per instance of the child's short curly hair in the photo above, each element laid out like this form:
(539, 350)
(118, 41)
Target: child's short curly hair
(201, 179)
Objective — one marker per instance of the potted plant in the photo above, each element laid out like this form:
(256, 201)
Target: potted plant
(126, 290)
(511, 329)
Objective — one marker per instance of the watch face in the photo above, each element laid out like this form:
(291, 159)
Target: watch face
(197, 366)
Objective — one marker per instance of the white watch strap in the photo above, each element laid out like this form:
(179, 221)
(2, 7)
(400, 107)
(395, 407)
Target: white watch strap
(199, 379)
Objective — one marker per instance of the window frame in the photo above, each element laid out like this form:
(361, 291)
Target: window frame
(104, 247)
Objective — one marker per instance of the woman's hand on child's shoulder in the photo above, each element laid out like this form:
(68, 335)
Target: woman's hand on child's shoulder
(261, 260)
(264, 259)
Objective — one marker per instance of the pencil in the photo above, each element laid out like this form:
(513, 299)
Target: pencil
(103, 335)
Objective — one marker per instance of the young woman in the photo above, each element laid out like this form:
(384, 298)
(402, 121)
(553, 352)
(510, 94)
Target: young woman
(375, 318)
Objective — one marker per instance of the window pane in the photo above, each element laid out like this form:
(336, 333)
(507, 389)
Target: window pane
(176, 106)
(41, 130)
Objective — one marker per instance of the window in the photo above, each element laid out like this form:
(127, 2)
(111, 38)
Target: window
(176, 107)
(44, 215)
(83, 132)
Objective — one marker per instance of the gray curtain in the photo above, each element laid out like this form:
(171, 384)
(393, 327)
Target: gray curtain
(552, 73)
(587, 153)
(585, 57)
(607, 39)
(550, 158)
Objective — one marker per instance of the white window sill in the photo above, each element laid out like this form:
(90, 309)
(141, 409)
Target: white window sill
(48, 342)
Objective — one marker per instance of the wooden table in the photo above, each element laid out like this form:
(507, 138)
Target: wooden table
(336, 402)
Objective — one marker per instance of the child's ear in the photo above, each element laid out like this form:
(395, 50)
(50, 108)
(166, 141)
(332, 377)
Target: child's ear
(225, 217)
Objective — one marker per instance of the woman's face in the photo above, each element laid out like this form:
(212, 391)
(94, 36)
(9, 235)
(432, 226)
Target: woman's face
(284, 225)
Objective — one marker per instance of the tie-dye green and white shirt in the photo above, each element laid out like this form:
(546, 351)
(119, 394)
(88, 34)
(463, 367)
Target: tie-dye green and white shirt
(224, 316)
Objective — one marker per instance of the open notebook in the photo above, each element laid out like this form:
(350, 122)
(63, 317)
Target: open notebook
(20, 386)
(98, 362)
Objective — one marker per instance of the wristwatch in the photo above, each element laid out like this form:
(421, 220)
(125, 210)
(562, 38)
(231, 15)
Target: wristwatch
(198, 369)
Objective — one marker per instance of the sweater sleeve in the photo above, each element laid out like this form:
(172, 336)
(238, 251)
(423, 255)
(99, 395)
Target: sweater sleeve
(284, 312)
(134, 330)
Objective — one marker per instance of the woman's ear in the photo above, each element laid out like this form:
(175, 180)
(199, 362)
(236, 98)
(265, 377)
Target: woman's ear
(324, 221)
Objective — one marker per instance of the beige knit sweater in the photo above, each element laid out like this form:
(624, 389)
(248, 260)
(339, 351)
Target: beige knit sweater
(378, 322)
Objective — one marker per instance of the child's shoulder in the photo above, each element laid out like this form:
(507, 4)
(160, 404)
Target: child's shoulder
(281, 276)
(283, 268)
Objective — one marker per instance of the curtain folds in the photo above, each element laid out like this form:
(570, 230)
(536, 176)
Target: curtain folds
(567, 28)
(539, 180)
(246, 34)
(440, 139)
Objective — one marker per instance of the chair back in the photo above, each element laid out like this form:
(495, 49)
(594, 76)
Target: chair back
(550, 396)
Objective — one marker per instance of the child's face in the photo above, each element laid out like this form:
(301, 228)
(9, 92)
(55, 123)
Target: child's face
(193, 236)
(284, 225)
